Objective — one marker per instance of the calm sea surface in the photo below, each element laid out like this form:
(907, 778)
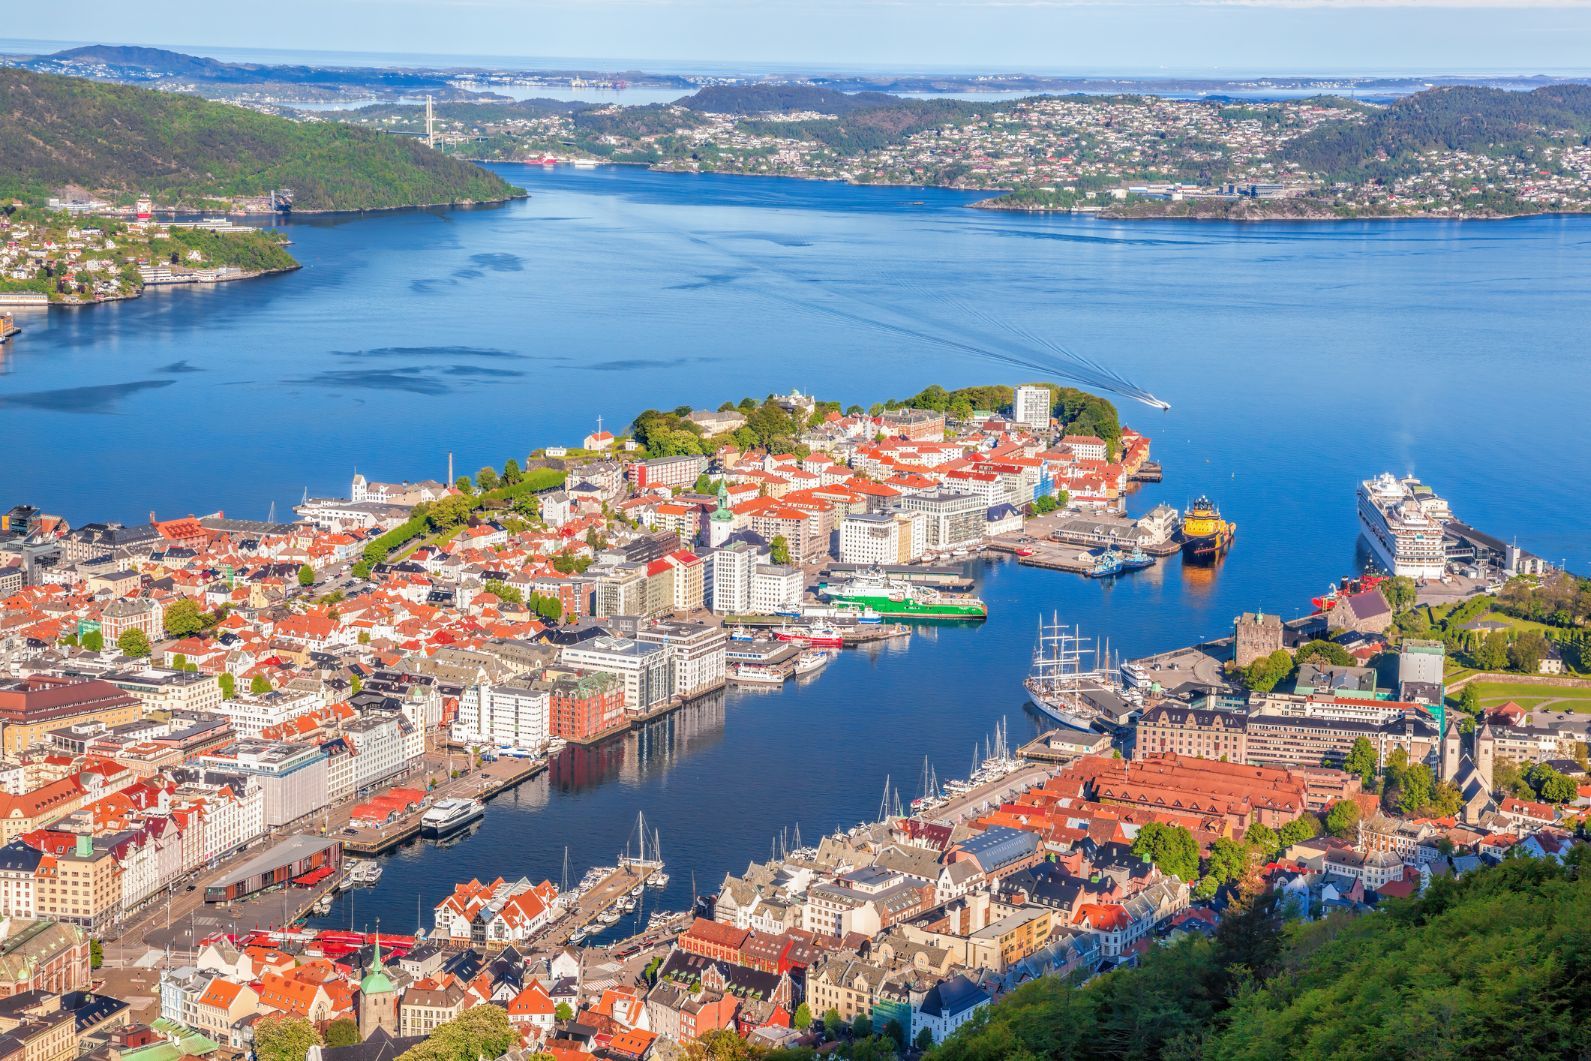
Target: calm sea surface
(1297, 359)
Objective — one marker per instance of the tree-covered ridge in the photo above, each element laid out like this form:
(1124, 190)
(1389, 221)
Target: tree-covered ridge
(121, 141)
(1389, 142)
(1495, 963)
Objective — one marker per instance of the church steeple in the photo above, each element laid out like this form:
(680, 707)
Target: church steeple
(378, 996)
(722, 513)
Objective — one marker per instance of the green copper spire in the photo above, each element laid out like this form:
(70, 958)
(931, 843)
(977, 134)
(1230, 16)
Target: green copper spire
(723, 515)
(376, 981)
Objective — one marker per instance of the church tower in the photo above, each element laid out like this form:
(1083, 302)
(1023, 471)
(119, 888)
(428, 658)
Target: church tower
(378, 998)
(721, 524)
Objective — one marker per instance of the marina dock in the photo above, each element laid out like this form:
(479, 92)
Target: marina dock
(493, 778)
(605, 893)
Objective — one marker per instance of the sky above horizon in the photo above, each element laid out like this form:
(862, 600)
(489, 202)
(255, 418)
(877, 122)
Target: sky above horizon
(1144, 37)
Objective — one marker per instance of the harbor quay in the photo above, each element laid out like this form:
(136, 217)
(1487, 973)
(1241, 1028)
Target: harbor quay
(236, 727)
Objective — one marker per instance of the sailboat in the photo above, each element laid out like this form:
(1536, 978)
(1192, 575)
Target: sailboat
(930, 797)
(640, 863)
(1059, 680)
(659, 878)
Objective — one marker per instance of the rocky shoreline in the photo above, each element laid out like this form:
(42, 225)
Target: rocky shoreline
(1251, 210)
(84, 303)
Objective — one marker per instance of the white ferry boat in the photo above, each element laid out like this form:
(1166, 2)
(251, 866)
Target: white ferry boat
(1402, 520)
(451, 815)
(808, 662)
(755, 674)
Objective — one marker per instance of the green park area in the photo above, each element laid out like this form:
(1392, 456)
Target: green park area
(1533, 695)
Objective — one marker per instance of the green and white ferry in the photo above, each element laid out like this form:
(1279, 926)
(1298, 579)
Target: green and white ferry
(900, 599)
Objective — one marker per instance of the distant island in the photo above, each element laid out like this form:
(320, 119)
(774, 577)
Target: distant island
(1460, 151)
(67, 135)
(1112, 147)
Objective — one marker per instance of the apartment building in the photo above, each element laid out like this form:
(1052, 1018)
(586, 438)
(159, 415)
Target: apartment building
(292, 778)
(506, 716)
(1032, 407)
(641, 667)
(730, 577)
(695, 653)
(950, 519)
(163, 690)
(580, 708)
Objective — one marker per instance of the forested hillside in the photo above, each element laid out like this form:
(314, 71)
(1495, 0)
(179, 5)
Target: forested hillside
(120, 141)
(1486, 121)
(1495, 964)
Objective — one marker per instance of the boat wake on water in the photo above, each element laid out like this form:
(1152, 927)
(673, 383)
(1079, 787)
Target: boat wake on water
(1017, 346)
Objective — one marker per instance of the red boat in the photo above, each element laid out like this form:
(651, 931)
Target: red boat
(818, 635)
(544, 160)
(1346, 588)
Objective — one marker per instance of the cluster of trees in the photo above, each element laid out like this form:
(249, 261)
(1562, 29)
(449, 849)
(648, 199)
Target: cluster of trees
(549, 608)
(184, 618)
(960, 403)
(1497, 651)
(1406, 788)
(1559, 599)
(133, 643)
(251, 249)
(1554, 602)
(481, 1031)
(1537, 781)
(1411, 788)
(1267, 672)
(513, 492)
(1078, 411)
(1487, 964)
(768, 425)
(282, 1038)
(1173, 849)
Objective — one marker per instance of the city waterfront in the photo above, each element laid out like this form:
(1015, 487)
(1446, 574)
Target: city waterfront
(720, 778)
(1298, 359)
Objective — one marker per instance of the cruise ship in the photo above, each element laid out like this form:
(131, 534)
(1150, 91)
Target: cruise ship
(1402, 520)
(451, 815)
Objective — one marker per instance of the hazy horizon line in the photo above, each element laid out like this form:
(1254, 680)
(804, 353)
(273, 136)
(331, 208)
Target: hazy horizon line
(749, 68)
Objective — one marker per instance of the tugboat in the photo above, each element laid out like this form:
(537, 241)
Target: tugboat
(1205, 535)
(1107, 565)
(1137, 560)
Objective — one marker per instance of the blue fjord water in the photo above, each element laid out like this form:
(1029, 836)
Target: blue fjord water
(1297, 358)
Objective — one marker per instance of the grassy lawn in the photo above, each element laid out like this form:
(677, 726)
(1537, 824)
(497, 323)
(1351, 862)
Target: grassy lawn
(1561, 698)
(1516, 625)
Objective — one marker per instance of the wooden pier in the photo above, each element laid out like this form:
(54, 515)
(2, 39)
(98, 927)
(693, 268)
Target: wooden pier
(494, 778)
(604, 894)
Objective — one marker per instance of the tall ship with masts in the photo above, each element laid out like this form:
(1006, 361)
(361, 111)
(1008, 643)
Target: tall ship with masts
(1066, 667)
